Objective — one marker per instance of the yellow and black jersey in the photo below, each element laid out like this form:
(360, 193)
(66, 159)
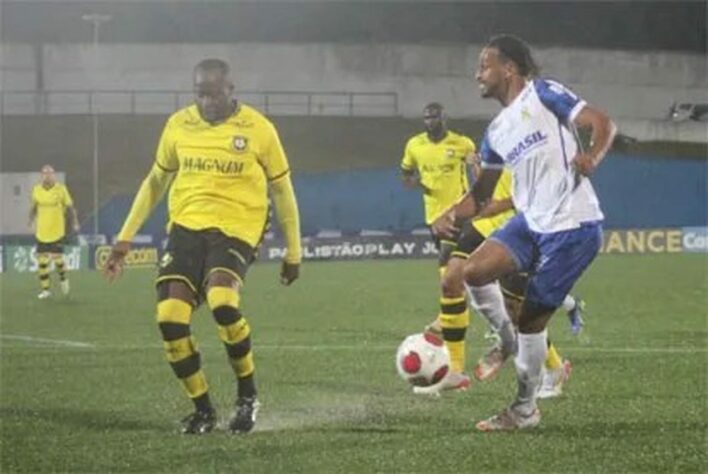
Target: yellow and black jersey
(221, 171)
(51, 204)
(442, 169)
(487, 225)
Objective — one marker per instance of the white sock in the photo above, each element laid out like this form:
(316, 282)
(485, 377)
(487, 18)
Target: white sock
(488, 301)
(568, 303)
(529, 363)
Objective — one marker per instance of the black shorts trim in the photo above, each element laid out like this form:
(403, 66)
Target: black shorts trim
(50, 247)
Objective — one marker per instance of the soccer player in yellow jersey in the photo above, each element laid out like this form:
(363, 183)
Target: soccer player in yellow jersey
(51, 202)
(219, 158)
(436, 161)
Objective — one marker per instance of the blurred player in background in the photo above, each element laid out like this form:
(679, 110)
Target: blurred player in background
(51, 203)
(219, 157)
(557, 232)
(436, 161)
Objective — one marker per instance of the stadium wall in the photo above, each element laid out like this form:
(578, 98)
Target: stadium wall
(631, 84)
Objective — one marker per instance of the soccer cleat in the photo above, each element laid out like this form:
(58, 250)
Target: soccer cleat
(575, 316)
(199, 422)
(553, 380)
(64, 284)
(244, 418)
(509, 420)
(44, 294)
(455, 381)
(489, 365)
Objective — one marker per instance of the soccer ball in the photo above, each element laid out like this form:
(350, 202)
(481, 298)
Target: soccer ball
(422, 360)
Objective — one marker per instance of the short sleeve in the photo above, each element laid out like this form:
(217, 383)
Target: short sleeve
(166, 156)
(408, 162)
(470, 147)
(490, 159)
(273, 157)
(68, 202)
(34, 195)
(560, 100)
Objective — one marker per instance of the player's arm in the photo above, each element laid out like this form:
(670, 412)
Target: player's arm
(575, 112)
(74, 218)
(71, 210)
(277, 170)
(32, 213)
(410, 176)
(450, 222)
(495, 207)
(603, 134)
(286, 208)
(151, 191)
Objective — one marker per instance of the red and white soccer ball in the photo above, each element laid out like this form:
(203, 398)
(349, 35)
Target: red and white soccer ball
(422, 360)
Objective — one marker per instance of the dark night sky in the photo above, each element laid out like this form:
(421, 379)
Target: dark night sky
(642, 25)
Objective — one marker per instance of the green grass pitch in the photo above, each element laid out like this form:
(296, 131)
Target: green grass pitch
(332, 402)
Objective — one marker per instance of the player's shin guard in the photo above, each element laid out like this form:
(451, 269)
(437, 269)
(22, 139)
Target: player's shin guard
(553, 359)
(173, 317)
(60, 267)
(529, 361)
(454, 319)
(43, 271)
(234, 332)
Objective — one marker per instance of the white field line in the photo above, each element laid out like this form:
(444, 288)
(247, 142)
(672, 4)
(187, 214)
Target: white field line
(43, 341)
(344, 347)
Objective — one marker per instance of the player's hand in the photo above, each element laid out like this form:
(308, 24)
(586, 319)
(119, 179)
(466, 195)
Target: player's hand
(289, 272)
(584, 164)
(77, 227)
(114, 264)
(444, 226)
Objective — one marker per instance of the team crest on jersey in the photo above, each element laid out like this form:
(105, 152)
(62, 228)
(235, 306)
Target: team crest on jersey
(240, 143)
(525, 114)
(450, 153)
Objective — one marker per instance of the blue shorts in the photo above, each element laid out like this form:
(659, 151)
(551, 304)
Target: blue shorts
(554, 260)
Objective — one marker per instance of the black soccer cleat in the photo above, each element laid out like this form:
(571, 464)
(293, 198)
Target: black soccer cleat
(199, 422)
(244, 418)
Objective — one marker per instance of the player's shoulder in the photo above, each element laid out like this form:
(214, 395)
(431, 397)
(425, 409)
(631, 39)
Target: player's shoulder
(550, 85)
(418, 139)
(184, 116)
(456, 138)
(249, 116)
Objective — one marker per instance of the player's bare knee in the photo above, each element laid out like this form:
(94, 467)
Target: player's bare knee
(475, 274)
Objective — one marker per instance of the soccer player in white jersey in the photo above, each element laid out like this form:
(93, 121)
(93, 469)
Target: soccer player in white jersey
(558, 229)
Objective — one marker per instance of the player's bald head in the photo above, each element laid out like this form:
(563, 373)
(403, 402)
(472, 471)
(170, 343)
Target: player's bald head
(434, 119)
(48, 176)
(213, 89)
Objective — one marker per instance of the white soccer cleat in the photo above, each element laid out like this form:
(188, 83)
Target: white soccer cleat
(44, 294)
(455, 381)
(64, 284)
(489, 365)
(553, 380)
(510, 420)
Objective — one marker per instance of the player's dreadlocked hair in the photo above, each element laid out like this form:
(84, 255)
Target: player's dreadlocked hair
(515, 49)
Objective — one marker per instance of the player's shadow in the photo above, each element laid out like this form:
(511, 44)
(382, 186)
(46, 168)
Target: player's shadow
(89, 419)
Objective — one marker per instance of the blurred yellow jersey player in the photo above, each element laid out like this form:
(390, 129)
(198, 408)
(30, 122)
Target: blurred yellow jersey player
(436, 161)
(51, 203)
(219, 158)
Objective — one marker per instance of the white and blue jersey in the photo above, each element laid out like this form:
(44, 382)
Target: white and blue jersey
(533, 137)
(557, 232)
